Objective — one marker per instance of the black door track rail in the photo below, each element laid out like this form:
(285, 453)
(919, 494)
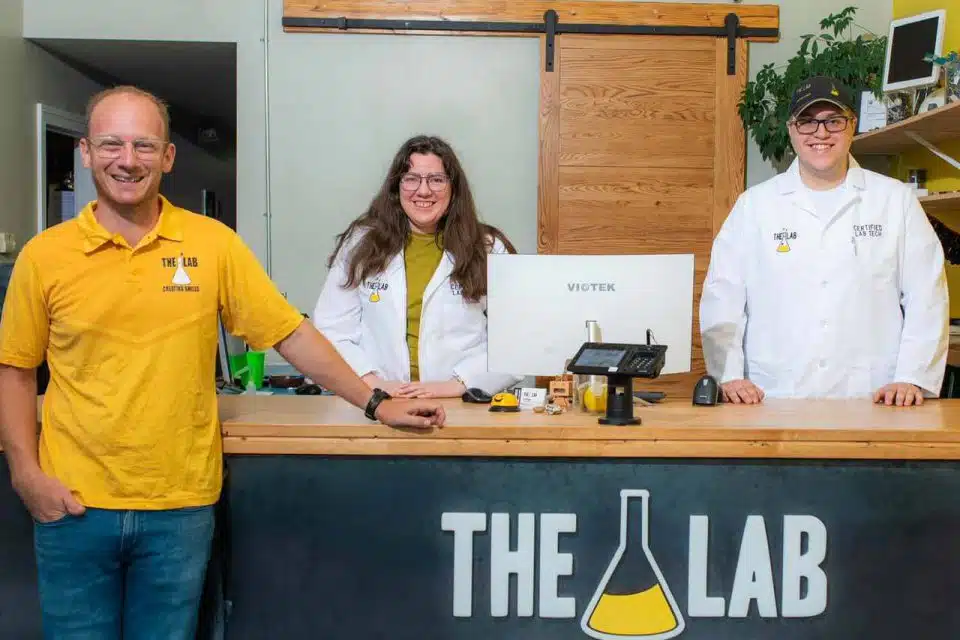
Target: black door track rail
(551, 27)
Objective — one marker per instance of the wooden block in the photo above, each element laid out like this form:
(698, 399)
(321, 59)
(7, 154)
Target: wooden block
(561, 388)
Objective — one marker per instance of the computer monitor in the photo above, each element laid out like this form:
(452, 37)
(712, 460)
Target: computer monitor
(538, 306)
(909, 40)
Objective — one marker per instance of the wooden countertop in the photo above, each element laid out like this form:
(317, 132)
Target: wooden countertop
(816, 429)
(841, 429)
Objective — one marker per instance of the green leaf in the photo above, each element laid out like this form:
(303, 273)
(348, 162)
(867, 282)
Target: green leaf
(855, 59)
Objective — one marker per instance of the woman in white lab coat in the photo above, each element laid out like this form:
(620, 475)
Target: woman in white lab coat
(404, 301)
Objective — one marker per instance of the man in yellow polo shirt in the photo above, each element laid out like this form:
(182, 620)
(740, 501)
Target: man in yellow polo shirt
(123, 304)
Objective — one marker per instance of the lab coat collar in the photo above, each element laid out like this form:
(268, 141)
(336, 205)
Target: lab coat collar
(441, 275)
(396, 273)
(789, 181)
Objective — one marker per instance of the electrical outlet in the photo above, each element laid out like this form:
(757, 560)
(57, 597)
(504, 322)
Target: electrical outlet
(8, 243)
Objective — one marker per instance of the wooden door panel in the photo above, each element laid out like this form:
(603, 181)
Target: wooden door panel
(623, 104)
(637, 43)
(602, 143)
(673, 71)
(601, 98)
(636, 210)
(642, 153)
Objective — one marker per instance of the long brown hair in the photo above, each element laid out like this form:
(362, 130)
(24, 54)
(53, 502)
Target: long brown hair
(385, 226)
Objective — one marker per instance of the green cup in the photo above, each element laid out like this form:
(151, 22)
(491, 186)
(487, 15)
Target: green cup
(249, 367)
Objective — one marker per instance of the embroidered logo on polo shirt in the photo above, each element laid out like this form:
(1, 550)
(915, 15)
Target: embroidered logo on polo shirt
(783, 240)
(181, 279)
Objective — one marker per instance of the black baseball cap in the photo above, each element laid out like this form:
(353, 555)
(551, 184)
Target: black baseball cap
(821, 89)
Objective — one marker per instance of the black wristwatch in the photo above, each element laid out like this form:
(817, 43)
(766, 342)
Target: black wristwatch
(379, 395)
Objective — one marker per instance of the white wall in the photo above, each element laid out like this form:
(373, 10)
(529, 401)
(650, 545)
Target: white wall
(342, 104)
(243, 22)
(28, 75)
(193, 170)
(240, 21)
(14, 117)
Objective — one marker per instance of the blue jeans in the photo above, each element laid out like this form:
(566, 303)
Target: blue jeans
(135, 575)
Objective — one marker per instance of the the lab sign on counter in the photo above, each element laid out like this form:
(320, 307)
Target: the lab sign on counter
(528, 561)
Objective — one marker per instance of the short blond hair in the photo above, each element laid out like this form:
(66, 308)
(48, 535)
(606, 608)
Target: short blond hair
(134, 91)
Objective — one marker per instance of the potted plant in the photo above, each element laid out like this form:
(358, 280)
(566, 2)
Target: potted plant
(855, 61)
(951, 69)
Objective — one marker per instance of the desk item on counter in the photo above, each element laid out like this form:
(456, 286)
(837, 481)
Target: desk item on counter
(594, 401)
(285, 381)
(249, 367)
(309, 390)
(706, 392)
(595, 382)
(649, 397)
(619, 364)
(505, 402)
(476, 396)
(561, 391)
(531, 397)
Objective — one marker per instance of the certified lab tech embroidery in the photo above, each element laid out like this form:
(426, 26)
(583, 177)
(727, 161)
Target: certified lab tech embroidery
(868, 231)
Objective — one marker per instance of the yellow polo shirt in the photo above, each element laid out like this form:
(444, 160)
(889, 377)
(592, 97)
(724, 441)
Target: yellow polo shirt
(129, 419)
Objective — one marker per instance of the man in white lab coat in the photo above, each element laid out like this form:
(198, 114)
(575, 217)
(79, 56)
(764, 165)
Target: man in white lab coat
(827, 280)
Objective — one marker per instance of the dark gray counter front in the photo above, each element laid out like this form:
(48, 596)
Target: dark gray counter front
(454, 548)
(19, 602)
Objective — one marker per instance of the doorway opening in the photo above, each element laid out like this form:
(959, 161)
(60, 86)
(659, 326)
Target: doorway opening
(64, 185)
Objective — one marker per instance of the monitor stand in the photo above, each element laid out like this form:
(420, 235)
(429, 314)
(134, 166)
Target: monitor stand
(619, 402)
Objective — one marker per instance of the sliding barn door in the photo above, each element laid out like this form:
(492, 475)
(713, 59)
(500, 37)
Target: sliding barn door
(642, 152)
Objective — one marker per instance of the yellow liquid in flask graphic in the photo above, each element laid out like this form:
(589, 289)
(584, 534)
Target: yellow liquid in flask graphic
(633, 599)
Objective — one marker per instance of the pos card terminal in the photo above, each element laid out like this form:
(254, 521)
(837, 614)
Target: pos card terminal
(620, 363)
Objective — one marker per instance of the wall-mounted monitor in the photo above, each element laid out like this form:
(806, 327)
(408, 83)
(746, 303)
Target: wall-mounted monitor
(909, 40)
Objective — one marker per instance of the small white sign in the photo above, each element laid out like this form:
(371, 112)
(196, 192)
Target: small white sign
(873, 113)
(530, 398)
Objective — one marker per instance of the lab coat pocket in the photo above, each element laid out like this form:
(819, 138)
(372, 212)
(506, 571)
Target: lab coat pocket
(880, 264)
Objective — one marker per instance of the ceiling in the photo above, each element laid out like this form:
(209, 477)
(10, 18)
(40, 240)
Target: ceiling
(198, 80)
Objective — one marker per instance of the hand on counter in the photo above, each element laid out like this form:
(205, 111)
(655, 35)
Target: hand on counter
(392, 387)
(449, 389)
(46, 498)
(901, 394)
(411, 413)
(741, 392)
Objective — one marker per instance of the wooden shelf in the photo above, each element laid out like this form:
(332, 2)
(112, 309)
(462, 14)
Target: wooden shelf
(941, 202)
(935, 127)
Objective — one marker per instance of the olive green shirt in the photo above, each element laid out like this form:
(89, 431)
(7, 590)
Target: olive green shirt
(421, 258)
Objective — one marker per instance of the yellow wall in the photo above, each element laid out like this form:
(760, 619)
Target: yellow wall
(940, 175)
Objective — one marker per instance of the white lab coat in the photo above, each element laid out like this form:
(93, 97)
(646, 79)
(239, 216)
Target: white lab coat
(368, 325)
(859, 299)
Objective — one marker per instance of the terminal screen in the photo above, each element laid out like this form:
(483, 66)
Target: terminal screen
(600, 357)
